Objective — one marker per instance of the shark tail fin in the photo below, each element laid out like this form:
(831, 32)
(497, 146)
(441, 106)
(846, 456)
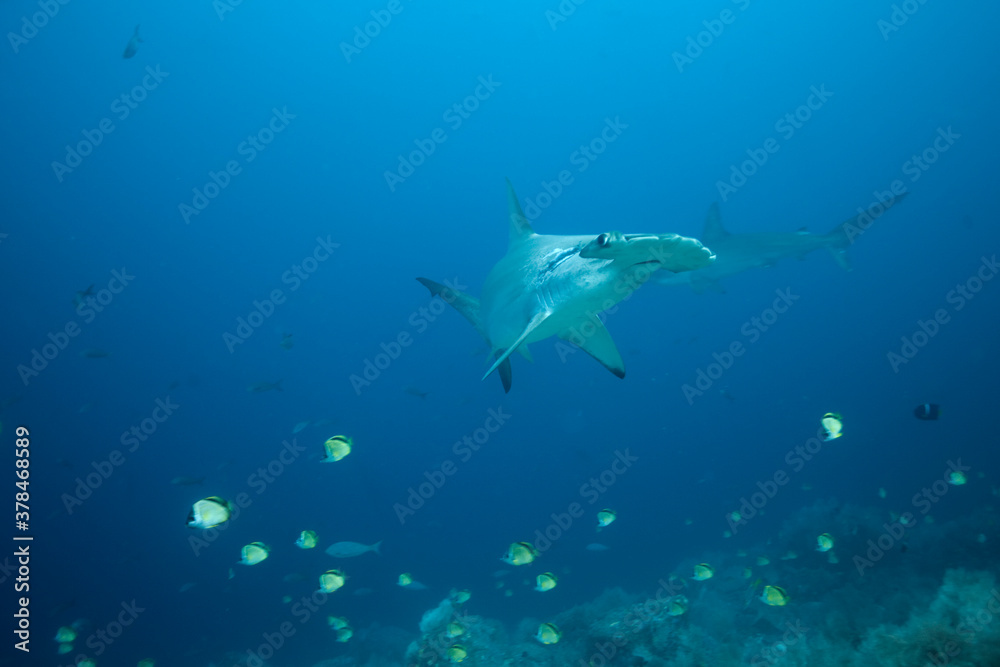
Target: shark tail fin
(469, 308)
(841, 237)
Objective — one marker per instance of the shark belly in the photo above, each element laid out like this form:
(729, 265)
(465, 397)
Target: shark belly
(553, 304)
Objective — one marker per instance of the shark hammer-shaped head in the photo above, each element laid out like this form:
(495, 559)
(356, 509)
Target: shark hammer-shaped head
(656, 250)
(549, 285)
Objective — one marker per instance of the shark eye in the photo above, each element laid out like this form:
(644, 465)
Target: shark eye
(603, 240)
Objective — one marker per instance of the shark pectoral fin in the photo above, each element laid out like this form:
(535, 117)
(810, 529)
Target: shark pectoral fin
(700, 283)
(840, 257)
(597, 343)
(502, 357)
(463, 303)
(525, 352)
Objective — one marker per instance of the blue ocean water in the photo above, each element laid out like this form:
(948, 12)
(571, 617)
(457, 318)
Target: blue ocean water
(258, 171)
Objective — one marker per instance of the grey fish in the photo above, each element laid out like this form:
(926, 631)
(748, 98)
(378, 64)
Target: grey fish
(261, 387)
(352, 549)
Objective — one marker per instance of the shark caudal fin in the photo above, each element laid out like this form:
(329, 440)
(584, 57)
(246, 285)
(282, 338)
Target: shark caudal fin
(841, 237)
(470, 310)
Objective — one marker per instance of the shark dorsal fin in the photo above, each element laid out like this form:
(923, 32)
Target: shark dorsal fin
(713, 226)
(520, 227)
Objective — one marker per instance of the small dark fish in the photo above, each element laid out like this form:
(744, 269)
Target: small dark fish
(286, 341)
(62, 607)
(261, 387)
(413, 391)
(187, 481)
(133, 44)
(10, 401)
(94, 353)
(81, 297)
(927, 411)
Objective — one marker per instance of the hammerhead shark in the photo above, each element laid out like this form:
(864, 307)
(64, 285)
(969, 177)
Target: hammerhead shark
(550, 285)
(736, 253)
(133, 44)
